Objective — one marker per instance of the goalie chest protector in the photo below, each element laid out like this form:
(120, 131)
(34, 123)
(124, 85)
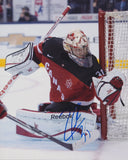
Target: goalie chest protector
(69, 82)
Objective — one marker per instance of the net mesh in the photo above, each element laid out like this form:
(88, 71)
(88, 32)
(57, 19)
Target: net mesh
(116, 50)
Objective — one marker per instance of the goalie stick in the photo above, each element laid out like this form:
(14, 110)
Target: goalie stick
(71, 146)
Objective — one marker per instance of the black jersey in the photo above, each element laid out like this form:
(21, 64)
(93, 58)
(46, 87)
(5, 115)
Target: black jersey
(69, 81)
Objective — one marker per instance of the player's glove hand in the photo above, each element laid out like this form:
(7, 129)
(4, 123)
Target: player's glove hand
(3, 110)
(108, 89)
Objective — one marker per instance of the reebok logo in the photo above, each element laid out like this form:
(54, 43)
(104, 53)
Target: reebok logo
(63, 116)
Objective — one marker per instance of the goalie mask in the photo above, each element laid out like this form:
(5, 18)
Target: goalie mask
(76, 44)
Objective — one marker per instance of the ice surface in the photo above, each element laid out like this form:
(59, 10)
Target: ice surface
(28, 92)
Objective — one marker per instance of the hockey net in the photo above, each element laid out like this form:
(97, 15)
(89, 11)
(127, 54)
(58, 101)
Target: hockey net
(113, 53)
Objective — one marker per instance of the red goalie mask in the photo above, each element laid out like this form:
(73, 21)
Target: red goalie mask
(76, 44)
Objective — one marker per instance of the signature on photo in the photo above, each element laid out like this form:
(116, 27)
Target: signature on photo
(77, 125)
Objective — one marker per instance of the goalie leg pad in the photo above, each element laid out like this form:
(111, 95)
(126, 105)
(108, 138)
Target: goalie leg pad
(67, 125)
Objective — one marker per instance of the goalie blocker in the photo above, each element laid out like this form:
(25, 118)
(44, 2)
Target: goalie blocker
(109, 87)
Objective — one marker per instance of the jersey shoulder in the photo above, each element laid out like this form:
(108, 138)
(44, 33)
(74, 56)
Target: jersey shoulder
(53, 43)
(53, 48)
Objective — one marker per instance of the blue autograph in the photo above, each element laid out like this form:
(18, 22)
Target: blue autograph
(75, 126)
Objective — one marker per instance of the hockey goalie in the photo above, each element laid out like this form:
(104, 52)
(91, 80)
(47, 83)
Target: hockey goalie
(71, 67)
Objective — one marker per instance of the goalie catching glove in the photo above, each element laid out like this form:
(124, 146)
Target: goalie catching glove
(3, 110)
(21, 61)
(108, 89)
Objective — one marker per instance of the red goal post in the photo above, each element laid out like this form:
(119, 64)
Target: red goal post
(113, 53)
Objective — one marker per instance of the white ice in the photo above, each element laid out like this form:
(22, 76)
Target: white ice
(28, 92)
